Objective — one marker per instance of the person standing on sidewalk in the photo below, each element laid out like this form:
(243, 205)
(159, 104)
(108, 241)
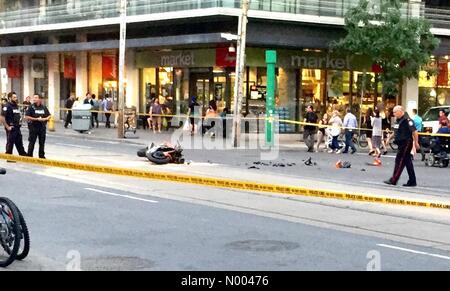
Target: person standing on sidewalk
(418, 123)
(309, 131)
(335, 131)
(350, 124)
(95, 107)
(377, 133)
(367, 123)
(405, 138)
(38, 115)
(322, 133)
(69, 105)
(107, 108)
(13, 122)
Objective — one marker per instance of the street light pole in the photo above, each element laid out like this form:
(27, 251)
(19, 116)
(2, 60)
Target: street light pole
(240, 63)
(122, 47)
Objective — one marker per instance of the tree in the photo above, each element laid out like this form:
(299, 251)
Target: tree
(397, 45)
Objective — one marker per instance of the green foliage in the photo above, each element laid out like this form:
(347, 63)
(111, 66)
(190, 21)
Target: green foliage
(400, 45)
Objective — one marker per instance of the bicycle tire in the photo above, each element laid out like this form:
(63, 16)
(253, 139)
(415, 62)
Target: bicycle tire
(362, 141)
(14, 232)
(25, 236)
(393, 146)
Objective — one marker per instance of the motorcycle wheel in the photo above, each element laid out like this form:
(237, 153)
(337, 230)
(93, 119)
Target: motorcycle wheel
(158, 158)
(430, 161)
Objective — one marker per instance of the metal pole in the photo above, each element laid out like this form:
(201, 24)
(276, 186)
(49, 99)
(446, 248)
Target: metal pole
(123, 37)
(240, 63)
(271, 61)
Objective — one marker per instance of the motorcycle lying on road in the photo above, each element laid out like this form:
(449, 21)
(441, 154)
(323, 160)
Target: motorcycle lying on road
(163, 154)
(14, 235)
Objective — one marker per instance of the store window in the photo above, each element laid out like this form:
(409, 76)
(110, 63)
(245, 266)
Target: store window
(435, 90)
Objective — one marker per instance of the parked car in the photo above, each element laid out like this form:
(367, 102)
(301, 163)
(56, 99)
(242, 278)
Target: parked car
(431, 118)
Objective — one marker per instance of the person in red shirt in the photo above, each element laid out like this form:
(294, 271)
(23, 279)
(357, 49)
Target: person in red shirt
(443, 120)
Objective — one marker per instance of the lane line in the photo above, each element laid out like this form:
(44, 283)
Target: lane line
(414, 252)
(120, 195)
(74, 145)
(382, 156)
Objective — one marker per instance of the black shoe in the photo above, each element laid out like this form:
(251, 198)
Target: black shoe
(384, 153)
(353, 151)
(345, 152)
(410, 185)
(389, 182)
(371, 153)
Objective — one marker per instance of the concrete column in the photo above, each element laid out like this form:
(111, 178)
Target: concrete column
(53, 82)
(28, 81)
(82, 70)
(410, 94)
(132, 77)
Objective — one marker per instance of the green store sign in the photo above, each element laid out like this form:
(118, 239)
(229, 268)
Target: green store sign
(255, 57)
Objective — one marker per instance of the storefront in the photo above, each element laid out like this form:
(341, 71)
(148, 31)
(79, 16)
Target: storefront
(327, 81)
(435, 90)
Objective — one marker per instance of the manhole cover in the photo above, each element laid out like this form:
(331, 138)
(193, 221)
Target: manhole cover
(263, 245)
(115, 264)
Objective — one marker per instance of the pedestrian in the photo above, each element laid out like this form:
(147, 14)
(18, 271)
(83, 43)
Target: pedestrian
(367, 123)
(321, 136)
(69, 105)
(309, 130)
(418, 123)
(350, 124)
(192, 112)
(210, 118)
(405, 137)
(377, 132)
(335, 131)
(26, 104)
(38, 115)
(443, 117)
(87, 99)
(155, 115)
(13, 122)
(107, 108)
(95, 109)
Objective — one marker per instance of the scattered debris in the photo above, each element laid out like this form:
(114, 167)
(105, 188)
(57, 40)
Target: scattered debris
(308, 162)
(343, 164)
(253, 167)
(363, 170)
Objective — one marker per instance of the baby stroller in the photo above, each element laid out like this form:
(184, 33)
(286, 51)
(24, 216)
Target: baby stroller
(438, 152)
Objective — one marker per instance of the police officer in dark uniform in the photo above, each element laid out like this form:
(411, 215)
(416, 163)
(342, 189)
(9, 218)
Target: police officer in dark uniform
(406, 137)
(37, 115)
(13, 122)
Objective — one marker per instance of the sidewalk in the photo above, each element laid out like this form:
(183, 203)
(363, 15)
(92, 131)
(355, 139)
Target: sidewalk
(142, 136)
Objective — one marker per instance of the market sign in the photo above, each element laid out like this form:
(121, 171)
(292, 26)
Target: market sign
(177, 59)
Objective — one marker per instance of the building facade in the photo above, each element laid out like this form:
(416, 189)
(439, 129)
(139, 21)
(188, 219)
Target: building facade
(176, 49)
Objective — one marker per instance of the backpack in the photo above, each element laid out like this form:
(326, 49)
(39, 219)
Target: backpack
(109, 105)
(95, 104)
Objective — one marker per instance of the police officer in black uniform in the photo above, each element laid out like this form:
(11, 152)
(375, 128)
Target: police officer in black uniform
(406, 137)
(13, 122)
(37, 115)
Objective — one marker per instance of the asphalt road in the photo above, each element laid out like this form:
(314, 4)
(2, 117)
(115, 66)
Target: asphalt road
(111, 229)
(430, 179)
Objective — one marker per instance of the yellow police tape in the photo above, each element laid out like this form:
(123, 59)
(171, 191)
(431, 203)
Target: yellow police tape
(224, 183)
(270, 119)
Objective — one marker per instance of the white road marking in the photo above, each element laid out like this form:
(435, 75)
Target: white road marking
(414, 252)
(73, 145)
(120, 195)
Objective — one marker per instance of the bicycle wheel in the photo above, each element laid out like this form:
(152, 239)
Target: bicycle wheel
(9, 232)
(362, 141)
(24, 247)
(393, 146)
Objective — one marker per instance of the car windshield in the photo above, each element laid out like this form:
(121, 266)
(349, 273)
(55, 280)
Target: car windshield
(433, 114)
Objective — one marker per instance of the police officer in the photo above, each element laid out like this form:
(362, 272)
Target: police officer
(37, 115)
(13, 122)
(405, 137)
